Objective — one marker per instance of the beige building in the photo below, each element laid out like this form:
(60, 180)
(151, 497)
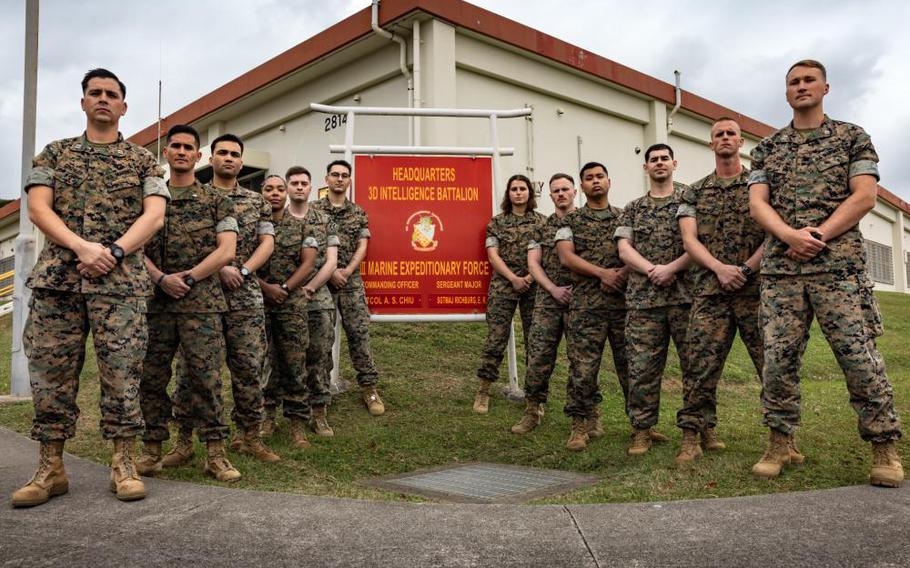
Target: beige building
(456, 55)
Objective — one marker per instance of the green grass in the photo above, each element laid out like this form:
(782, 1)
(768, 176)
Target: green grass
(428, 384)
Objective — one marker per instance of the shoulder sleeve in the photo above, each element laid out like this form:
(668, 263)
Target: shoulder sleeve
(626, 221)
(224, 215)
(331, 234)
(758, 154)
(863, 157)
(492, 234)
(152, 175)
(43, 166)
(564, 234)
(363, 223)
(688, 200)
(265, 226)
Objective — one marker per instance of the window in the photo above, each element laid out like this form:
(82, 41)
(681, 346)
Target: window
(907, 270)
(881, 262)
(7, 266)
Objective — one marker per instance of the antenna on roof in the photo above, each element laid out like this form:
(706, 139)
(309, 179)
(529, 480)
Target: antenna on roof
(158, 146)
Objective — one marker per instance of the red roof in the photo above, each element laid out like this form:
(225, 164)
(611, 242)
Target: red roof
(464, 15)
(11, 208)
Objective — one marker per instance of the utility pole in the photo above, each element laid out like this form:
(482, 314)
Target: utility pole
(25, 242)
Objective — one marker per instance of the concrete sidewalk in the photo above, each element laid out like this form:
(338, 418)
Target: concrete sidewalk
(182, 524)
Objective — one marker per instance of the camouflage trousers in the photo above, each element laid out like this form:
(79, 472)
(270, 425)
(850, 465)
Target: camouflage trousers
(648, 334)
(319, 355)
(587, 332)
(245, 351)
(848, 315)
(548, 326)
(288, 341)
(500, 310)
(351, 302)
(713, 321)
(54, 340)
(200, 338)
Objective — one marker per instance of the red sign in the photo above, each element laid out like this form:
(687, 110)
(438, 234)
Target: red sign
(428, 216)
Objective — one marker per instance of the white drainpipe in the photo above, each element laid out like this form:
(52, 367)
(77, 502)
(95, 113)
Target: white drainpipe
(675, 108)
(402, 62)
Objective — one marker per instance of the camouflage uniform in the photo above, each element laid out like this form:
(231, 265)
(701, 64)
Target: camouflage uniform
(548, 323)
(244, 321)
(195, 216)
(510, 234)
(98, 194)
(320, 313)
(286, 324)
(352, 225)
(725, 227)
(808, 178)
(595, 315)
(656, 314)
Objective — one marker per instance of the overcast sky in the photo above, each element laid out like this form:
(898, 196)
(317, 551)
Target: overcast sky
(733, 53)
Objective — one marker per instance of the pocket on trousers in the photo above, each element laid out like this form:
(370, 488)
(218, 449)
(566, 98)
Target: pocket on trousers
(872, 314)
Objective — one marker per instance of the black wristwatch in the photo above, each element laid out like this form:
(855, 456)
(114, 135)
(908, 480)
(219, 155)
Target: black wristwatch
(747, 272)
(189, 280)
(245, 272)
(116, 252)
(285, 288)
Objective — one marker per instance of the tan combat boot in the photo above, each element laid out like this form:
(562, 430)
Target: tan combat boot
(267, 430)
(371, 400)
(689, 451)
(578, 439)
(887, 470)
(656, 436)
(482, 398)
(149, 461)
(252, 444)
(182, 450)
(320, 423)
(49, 480)
(775, 457)
(529, 420)
(641, 441)
(238, 440)
(796, 457)
(595, 427)
(710, 441)
(125, 480)
(217, 464)
(298, 434)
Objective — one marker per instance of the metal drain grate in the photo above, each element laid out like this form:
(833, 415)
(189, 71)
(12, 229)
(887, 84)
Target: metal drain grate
(483, 483)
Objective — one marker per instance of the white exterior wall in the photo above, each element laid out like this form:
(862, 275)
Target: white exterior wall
(460, 69)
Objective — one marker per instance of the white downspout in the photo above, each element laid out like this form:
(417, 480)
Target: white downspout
(418, 102)
(402, 62)
(675, 108)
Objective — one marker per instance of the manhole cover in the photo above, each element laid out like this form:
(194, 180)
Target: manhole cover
(483, 483)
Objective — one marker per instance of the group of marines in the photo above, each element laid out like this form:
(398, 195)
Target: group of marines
(762, 252)
(227, 275)
(255, 279)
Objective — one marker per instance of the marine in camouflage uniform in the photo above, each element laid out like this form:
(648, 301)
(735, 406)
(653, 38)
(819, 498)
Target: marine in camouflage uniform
(548, 322)
(352, 225)
(287, 324)
(595, 315)
(98, 192)
(320, 313)
(720, 208)
(244, 320)
(196, 215)
(656, 313)
(808, 178)
(510, 234)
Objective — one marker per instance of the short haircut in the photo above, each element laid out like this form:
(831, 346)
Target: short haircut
(591, 166)
(506, 204)
(182, 129)
(655, 148)
(101, 73)
(725, 119)
(344, 163)
(809, 63)
(561, 175)
(270, 176)
(227, 138)
(296, 171)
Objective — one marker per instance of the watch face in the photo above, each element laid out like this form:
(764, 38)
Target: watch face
(244, 271)
(189, 280)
